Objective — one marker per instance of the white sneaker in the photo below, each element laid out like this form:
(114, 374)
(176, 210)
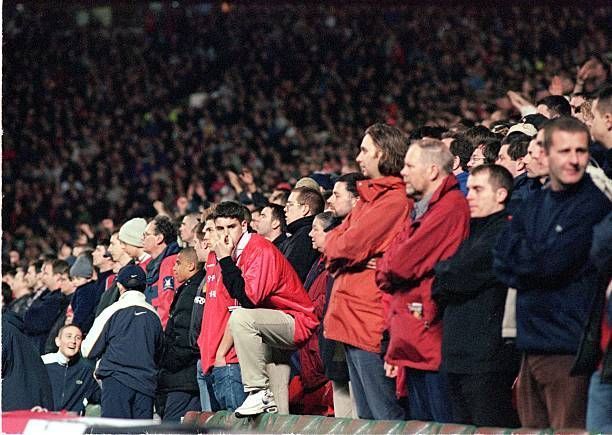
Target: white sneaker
(257, 402)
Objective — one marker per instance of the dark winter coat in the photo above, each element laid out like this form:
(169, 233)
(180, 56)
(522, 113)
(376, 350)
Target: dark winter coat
(298, 247)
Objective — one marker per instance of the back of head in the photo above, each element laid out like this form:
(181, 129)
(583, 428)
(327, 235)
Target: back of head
(557, 105)
(132, 277)
(61, 267)
(393, 143)
(463, 149)
(604, 100)
(478, 135)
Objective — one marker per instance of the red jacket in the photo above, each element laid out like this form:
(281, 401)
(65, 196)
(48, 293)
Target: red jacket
(355, 314)
(215, 317)
(271, 282)
(406, 271)
(166, 288)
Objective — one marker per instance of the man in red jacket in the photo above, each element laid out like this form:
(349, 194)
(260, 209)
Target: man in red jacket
(356, 312)
(275, 314)
(440, 222)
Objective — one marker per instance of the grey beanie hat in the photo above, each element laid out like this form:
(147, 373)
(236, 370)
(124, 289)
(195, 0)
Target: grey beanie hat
(131, 232)
(82, 268)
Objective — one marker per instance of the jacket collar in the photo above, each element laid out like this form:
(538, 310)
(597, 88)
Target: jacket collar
(449, 183)
(300, 223)
(370, 190)
(133, 296)
(197, 278)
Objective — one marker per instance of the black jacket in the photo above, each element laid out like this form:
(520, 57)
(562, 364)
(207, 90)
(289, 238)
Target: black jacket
(298, 247)
(179, 357)
(474, 300)
(25, 382)
(590, 353)
(40, 317)
(50, 345)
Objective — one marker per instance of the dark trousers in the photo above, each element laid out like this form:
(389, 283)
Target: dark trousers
(119, 401)
(428, 397)
(178, 403)
(547, 396)
(483, 399)
(374, 393)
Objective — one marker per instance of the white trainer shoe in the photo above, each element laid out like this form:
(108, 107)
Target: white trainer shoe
(257, 402)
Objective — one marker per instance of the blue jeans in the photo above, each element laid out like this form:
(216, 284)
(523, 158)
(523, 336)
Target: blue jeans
(428, 396)
(374, 393)
(205, 401)
(599, 405)
(227, 386)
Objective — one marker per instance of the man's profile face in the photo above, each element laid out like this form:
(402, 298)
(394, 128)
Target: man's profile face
(414, 173)
(341, 201)
(230, 227)
(48, 278)
(535, 160)
(568, 157)
(69, 341)
(369, 157)
(600, 124)
(265, 223)
(504, 159)
(186, 228)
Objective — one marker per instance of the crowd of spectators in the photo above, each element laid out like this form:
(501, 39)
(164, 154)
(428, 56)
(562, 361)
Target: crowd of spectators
(290, 209)
(97, 121)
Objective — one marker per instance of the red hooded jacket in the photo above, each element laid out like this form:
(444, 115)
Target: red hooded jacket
(406, 271)
(355, 314)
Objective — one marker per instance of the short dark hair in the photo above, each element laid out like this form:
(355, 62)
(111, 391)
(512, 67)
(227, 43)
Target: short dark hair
(604, 100)
(38, 264)
(490, 150)
(518, 148)
(393, 143)
(478, 135)
(61, 267)
(462, 148)
(499, 177)
(563, 123)
(515, 136)
(351, 180)
(312, 198)
(7, 294)
(165, 227)
(230, 209)
(278, 212)
(433, 132)
(557, 105)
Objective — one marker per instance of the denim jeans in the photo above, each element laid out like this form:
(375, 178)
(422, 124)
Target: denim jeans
(599, 405)
(227, 386)
(205, 400)
(374, 392)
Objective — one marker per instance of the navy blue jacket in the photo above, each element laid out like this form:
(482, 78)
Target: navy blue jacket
(152, 271)
(25, 382)
(72, 382)
(544, 254)
(40, 317)
(298, 247)
(84, 302)
(127, 338)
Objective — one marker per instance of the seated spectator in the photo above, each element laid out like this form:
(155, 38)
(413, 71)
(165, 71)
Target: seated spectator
(71, 376)
(127, 339)
(87, 294)
(275, 312)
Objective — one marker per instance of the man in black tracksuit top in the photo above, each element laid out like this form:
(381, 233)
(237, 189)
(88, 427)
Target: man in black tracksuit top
(71, 376)
(480, 367)
(177, 382)
(127, 338)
